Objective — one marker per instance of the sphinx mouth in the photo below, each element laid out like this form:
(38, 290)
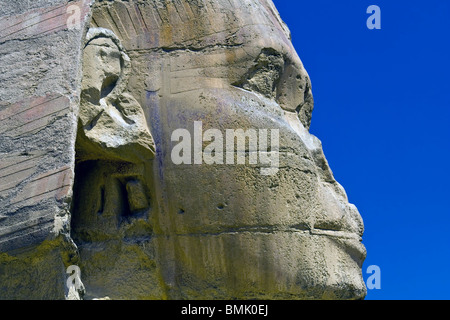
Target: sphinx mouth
(350, 242)
(271, 229)
(336, 234)
(301, 228)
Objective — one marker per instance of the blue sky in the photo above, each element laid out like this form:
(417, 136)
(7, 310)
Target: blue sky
(382, 111)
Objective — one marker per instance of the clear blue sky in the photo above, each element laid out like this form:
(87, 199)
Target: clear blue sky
(382, 111)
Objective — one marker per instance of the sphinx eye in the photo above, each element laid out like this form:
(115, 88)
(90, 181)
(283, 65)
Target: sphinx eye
(265, 74)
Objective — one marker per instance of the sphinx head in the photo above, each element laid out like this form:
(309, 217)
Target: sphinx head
(217, 228)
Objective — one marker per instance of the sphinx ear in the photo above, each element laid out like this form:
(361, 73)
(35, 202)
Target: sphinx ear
(114, 128)
(121, 82)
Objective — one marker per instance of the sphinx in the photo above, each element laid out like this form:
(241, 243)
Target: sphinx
(143, 226)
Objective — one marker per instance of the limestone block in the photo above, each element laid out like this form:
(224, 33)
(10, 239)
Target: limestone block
(40, 73)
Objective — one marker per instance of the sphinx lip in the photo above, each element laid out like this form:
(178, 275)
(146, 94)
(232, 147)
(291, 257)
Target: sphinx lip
(350, 240)
(338, 234)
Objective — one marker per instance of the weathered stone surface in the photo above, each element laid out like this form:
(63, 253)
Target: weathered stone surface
(145, 227)
(40, 75)
(112, 122)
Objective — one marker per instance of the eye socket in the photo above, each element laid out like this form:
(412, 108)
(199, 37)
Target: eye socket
(275, 76)
(265, 75)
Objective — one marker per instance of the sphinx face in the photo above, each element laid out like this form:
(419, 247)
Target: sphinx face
(224, 229)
